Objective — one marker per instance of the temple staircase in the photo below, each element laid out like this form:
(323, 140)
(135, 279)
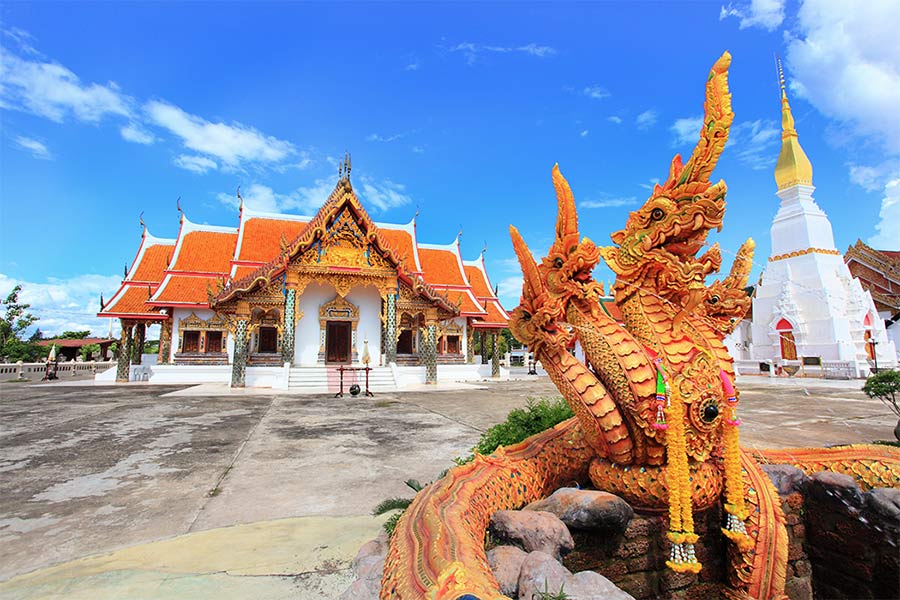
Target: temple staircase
(321, 379)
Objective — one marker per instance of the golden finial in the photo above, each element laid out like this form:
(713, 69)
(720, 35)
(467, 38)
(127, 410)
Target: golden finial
(240, 199)
(141, 221)
(793, 165)
(349, 163)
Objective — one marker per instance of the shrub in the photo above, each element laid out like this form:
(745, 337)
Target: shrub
(522, 423)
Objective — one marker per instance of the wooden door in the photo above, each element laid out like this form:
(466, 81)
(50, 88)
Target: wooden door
(337, 342)
(268, 339)
(788, 346)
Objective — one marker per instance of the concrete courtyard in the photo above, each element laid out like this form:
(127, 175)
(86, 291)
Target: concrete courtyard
(145, 491)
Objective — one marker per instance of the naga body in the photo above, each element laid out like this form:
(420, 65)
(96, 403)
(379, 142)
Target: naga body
(654, 400)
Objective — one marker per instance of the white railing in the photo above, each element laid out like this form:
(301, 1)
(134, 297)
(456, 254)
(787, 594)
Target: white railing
(22, 370)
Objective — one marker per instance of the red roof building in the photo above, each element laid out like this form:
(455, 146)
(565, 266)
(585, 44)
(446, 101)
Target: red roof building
(331, 288)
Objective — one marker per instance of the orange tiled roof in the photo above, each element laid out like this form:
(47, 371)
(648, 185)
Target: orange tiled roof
(153, 263)
(495, 315)
(261, 241)
(133, 301)
(185, 289)
(441, 267)
(241, 271)
(467, 304)
(402, 243)
(206, 252)
(478, 283)
(609, 305)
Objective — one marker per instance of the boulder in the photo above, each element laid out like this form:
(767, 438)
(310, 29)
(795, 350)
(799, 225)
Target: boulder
(587, 509)
(836, 490)
(367, 566)
(532, 531)
(786, 478)
(541, 574)
(885, 502)
(506, 563)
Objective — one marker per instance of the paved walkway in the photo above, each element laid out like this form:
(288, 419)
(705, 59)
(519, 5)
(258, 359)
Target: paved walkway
(267, 495)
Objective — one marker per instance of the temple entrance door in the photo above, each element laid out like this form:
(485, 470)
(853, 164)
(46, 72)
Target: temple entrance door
(405, 343)
(337, 342)
(268, 340)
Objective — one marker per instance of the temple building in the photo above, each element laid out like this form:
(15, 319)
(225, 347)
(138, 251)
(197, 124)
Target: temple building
(808, 309)
(879, 273)
(276, 299)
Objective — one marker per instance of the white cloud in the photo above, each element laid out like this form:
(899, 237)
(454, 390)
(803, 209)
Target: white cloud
(133, 132)
(767, 14)
(846, 62)
(509, 290)
(36, 148)
(52, 91)
(418, 150)
(233, 144)
(687, 130)
(608, 202)
(65, 304)
(614, 119)
(646, 119)
(756, 143)
(649, 186)
(584, 133)
(415, 65)
(471, 51)
(197, 164)
(383, 195)
(888, 236)
(374, 137)
(596, 92)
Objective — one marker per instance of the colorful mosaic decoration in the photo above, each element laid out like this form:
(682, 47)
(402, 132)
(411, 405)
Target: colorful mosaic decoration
(290, 309)
(655, 402)
(239, 368)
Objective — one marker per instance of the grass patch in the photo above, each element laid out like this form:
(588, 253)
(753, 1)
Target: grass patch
(385, 403)
(893, 443)
(522, 423)
(17, 380)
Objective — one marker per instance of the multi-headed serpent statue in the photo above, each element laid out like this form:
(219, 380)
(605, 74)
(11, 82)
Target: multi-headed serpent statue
(655, 402)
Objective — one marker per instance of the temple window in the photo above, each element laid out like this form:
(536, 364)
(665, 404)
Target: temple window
(214, 341)
(191, 341)
(452, 344)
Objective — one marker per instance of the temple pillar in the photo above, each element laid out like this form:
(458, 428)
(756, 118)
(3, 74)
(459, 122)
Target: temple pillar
(495, 354)
(485, 355)
(125, 348)
(287, 339)
(140, 334)
(390, 329)
(431, 353)
(470, 344)
(165, 341)
(239, 363)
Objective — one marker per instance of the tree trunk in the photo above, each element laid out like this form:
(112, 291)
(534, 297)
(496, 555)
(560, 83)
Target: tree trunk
(897, 431)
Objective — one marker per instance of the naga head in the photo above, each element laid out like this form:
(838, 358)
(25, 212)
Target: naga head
(537, 321)
(659, 244)
(726, 302)
(567, 267)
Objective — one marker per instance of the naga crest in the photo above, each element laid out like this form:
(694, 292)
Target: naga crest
(658, 247)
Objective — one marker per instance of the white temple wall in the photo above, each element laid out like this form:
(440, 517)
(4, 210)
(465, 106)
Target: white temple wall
(368, 299)
(183, 313)
(800, 223)
(307, 338)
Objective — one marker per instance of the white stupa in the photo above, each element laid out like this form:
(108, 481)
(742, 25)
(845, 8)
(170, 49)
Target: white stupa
(807, 303)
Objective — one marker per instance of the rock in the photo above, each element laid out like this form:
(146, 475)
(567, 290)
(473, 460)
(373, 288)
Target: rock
(532, 530)
(835, 489)
(885, 502)
(786, 478)
(541, 574)
(587, 509)
(506, 563)
(588, 585)
(368, 565)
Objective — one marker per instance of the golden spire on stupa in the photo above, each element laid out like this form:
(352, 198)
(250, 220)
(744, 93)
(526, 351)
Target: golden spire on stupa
(793, 166)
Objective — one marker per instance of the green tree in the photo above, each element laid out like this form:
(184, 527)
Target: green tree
(73, 335)
(885, 385)
(88, 350)
(16, 319)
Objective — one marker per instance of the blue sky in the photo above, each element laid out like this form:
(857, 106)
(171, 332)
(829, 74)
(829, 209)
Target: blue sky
(110, 110)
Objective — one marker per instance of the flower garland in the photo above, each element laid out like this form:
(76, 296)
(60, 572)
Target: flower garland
(682, 558)
(735, 509)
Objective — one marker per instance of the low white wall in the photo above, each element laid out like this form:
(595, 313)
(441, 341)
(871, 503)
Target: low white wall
(267, 377)
(190, 374)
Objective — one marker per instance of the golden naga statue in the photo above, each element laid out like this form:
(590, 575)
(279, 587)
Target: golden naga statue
(655, 404)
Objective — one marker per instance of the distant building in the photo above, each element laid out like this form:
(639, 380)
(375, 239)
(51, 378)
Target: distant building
(879, 273)
(808, 304)
(257, 303)
(69, 349)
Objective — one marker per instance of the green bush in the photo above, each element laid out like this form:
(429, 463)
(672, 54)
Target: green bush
(522, 423)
